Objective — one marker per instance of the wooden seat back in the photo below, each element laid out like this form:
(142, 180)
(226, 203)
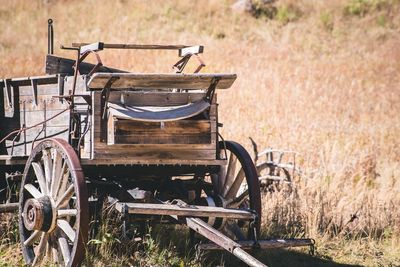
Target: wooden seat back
(123, 81)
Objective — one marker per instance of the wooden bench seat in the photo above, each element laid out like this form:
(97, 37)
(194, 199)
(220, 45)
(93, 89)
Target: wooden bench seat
(160, 81)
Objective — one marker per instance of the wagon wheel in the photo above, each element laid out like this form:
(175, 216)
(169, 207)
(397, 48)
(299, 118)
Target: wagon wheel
(275, 178)
(53, 207)
(237, 186)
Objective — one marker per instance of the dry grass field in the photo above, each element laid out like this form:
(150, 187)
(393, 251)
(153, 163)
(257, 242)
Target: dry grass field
(320, 77)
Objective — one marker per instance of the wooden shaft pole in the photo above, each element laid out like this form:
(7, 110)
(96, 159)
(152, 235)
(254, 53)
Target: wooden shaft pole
(10, 207)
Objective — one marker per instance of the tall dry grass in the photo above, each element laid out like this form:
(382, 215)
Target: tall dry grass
(326, 85)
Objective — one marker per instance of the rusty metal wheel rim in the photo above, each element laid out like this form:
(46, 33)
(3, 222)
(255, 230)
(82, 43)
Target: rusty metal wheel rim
(53, 189)
(235, 184)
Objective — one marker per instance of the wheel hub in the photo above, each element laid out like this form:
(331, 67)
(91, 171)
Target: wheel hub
(214, 201)
(38, 214)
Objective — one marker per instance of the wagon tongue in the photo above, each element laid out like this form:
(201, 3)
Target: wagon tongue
(190, 215)
(187, 213)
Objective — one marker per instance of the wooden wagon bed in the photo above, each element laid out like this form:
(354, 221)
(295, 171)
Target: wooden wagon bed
(151, 118)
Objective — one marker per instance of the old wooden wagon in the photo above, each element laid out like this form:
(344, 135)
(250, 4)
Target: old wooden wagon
(149, 141)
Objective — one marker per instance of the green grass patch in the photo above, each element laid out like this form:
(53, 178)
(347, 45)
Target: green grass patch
(362, 7)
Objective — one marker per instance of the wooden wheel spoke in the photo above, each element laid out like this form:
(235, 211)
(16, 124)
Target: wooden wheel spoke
(65, 250)
(230, 174)
(63, 182)
(66, 196)
(236, 202)
(67, 229)
(48, 249)
(54, 253)
(40, 177)
(221, 178)
(33, 190)
(56, 172)
(40, 249)
(47, 167)
(234, 188)
(34, 236)
(66, 212)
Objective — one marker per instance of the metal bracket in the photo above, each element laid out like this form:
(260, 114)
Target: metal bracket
(34, 84)
(211, 89)
(181, 64)
(60, 83)
(105, 94)
(50, 37)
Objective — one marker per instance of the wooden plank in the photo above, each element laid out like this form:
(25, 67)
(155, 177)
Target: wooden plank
(48, 101)
(60, 65)
(191, 50)
(93, 47)
(9, 207)
(161, 81)
(263, 244)
(133, 161)
(37, 116)
(129, 127)
(12, 160)
(214, 139)
(146, 147)
(111, 130)
(136, 46)
(109, 152)
(26, 81)
(187, 211)
(163, 139)
(80, 89)
(222, 240)
(43, 89)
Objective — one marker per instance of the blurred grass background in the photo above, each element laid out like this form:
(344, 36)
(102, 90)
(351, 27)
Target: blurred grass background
(318, 77)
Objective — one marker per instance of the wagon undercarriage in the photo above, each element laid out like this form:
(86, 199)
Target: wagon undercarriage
(149, 142)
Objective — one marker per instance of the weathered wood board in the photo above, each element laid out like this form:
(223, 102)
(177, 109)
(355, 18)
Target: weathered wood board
(64, 66)
(154, 142)
(160, 81)
(38, 108)
(108, 141)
